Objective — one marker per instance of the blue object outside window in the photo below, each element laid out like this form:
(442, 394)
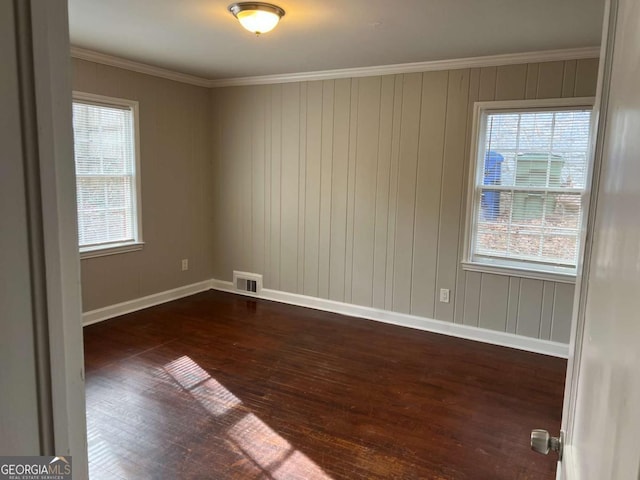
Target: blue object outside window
(492, 176)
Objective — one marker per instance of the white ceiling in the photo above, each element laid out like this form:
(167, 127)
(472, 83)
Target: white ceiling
(202, 38)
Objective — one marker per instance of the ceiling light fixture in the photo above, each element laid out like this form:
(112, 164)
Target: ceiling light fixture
(257, 17)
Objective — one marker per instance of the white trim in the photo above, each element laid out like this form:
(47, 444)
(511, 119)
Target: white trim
(549, 103)
(93, 98)
(519, 272)
(477, 134)
(111, 249)
(119, 62)
(504, 339)
(519, 342)
(44, 36)
(429, 66)
(101, 314)
(435, 65)
(134, 107)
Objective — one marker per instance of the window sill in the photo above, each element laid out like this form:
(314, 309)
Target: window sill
(92, 252)
(514, 271)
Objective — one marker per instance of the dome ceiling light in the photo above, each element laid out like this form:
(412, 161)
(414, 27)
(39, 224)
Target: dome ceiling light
(257, 17)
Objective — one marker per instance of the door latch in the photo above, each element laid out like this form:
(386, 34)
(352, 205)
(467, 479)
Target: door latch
(543, 443)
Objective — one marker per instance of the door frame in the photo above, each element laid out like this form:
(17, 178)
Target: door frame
(44, 75)
(60, 249)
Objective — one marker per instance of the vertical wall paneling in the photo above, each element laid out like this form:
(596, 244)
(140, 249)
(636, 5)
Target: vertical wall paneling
(550, 75)
(245, 174)
(529, 308)
(405, 207)
(218, 237)
(531, 88)
(312, 188)
(257, 180)
(548, 294)
(231, 138)
(326, 188)
(351, 188)
(354, 190)
(487, 87)
(393, 190)
(340, 172)
(472, 298)
(290, 186)
(586, 77)
(428, 191)
(494, 301)
(383, 174)
(511, 82)
(569, 78)
(367, 148)
(220, 214)
(276, 185)
(207, 183)
(512, 304)
(452, 186)
(562, 312)
(268, 136)
(302, 183)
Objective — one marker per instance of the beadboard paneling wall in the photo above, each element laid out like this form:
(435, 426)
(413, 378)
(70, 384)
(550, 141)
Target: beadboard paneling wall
(175, 150)
(354, 190)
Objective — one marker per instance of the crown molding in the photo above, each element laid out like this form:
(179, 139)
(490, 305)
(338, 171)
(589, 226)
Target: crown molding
(453, 64)
(113, 61)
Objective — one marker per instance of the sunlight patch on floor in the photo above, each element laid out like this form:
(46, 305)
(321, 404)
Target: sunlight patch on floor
(100, 453)
(256, 439)
(261, 445)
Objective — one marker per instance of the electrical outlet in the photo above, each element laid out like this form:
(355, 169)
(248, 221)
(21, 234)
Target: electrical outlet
(185, 264)
(444, 295)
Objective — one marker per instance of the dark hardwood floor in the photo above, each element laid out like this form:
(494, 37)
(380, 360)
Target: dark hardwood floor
(217, 386)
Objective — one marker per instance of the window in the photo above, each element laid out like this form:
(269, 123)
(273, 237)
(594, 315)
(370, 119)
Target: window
(107, 174)
(528, 179)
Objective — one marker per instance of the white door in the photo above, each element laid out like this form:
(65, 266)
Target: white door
(602, 408)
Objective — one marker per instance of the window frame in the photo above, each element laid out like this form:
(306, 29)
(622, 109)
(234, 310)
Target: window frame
(113, 248)
(515, 267)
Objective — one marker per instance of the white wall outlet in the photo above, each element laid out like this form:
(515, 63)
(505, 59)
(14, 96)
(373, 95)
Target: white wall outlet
(185, 264)
(444, 295)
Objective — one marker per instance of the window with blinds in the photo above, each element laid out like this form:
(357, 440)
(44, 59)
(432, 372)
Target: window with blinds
(106, 172)
(530, 177)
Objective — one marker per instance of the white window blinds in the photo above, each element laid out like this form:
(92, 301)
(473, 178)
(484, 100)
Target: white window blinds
(105, 174)
(530, 179)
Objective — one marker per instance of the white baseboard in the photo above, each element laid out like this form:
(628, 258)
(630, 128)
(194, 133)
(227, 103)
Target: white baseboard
(101, 314)
(535, 345)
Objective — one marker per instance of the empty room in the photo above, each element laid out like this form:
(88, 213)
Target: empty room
(321, 240)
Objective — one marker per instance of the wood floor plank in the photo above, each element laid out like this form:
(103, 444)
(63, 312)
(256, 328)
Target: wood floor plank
(218, 386)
